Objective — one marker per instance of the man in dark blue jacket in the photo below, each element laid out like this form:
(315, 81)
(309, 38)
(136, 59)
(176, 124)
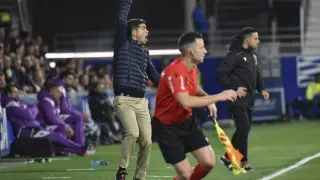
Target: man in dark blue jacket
(132, 69)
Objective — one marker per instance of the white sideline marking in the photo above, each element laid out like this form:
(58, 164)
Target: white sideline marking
(60, 159)
(56, 177)
(160, 176)
(88, 169)
(300, 163)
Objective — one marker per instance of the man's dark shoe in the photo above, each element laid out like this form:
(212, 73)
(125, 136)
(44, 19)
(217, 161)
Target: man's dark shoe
(121, 175)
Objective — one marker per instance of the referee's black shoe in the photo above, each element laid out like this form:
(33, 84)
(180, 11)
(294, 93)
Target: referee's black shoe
(226, 163)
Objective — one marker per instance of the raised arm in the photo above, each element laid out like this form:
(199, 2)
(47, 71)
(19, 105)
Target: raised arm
(121, 23)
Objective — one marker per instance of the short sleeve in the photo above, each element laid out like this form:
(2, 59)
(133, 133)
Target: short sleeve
(176, 82)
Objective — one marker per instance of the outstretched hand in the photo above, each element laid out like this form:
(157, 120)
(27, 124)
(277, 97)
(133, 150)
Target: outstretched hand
(228, 95)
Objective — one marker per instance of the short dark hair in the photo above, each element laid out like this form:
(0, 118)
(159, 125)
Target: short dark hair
(134, 23)
(187, 39)
(246, 33)
(94, 85)
(49, 85)
(8, 88)
(65, 74)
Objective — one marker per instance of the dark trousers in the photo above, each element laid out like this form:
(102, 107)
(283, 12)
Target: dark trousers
(243, 119)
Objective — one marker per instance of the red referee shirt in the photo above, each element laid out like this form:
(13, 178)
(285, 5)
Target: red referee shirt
(176, 78)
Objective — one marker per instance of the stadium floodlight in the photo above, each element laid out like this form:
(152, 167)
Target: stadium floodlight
(52, 64)
(109, 54)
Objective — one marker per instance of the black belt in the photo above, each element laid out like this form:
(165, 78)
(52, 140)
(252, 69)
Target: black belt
(128, 95)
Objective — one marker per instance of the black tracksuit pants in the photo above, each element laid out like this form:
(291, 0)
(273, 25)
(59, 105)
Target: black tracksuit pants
(243, 119)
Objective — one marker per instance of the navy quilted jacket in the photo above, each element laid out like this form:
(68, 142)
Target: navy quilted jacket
(132, 66)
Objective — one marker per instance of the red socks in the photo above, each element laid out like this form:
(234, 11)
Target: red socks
(199, 173)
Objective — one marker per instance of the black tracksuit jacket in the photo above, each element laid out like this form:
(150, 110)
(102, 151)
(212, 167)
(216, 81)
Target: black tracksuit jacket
(240, 69)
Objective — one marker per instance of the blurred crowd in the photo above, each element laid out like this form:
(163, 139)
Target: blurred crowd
(24, 67)
(23, 62)
(86, 77)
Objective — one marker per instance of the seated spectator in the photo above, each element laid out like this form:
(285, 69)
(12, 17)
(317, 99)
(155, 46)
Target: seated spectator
(70, 64)
(49, 108)
(20, 50)
(74, 117)
(37, 51)
(28, 64)
(3, 82)
(27, 38)
(107, 81)
(313, 88)
(92, 134)
(38, 80)
(164, 62)
(6, 49)
(313, 91)
(22, 80)
(102, 111)
(305, 104)
(65, 80)
(79, 67)
(28, 69)
(7, 69)
(83, 84)
(31, 50)
(1, 48)
(24, 123)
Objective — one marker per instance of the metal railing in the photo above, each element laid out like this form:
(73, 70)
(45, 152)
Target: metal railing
(102, 41)
(289, 41)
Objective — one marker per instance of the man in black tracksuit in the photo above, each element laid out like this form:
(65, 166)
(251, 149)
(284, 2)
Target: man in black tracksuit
(239, 71)
(132, 67)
